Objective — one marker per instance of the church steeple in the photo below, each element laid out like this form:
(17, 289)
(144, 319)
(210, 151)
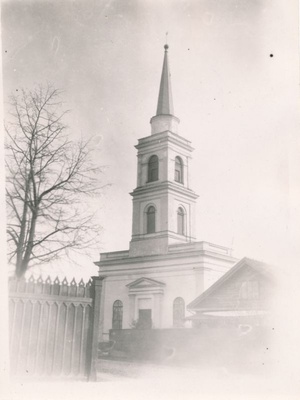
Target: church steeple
(164, 120)
(165, 100)
(163, 202)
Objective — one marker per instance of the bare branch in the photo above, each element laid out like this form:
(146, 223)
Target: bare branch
(48, 177)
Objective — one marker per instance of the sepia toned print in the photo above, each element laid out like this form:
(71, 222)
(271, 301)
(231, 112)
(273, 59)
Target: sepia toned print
(151, 235)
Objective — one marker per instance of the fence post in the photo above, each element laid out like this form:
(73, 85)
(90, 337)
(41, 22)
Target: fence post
(92, 355)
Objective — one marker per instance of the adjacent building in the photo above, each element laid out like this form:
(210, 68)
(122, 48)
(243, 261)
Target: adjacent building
(240, 298)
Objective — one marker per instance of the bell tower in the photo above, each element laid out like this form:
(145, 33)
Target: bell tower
(163, 202)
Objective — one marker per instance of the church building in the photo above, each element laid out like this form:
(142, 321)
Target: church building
(165, 268)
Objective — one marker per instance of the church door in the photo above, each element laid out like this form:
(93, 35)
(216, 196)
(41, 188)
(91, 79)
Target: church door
(145, 320)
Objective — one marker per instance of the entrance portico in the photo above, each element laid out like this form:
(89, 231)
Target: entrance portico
(146, 295)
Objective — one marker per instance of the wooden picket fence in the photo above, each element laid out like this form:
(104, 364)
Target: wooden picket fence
(54, 327)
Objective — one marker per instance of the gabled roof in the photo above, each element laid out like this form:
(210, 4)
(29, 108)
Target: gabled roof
(145, 282)
(259, 266)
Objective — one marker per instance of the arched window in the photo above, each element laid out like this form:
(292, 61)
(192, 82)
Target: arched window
(151, 220)
(178, 170)
(153, 169)
(178, 312)
(180, 221)
(117, 315)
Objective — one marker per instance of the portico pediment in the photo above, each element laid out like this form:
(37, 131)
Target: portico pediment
(145, 283)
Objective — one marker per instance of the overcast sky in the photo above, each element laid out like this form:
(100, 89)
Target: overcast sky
(234, 67)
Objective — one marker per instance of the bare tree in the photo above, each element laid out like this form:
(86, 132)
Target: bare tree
(48, 177)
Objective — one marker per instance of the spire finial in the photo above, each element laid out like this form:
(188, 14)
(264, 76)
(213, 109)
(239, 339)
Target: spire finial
(165, 102)
(166, 46)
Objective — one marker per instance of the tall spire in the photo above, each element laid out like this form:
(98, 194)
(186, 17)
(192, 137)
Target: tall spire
(165, 100)
(164, 120)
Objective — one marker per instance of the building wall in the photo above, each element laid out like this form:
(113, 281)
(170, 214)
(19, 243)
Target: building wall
(182, 272)
(177, 285)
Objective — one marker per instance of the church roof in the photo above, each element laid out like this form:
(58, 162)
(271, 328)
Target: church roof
(165, 100)
(258, 266)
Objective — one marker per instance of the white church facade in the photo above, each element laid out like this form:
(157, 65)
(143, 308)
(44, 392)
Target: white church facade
(165, 268)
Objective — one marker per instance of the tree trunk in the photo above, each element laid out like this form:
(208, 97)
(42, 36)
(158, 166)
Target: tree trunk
(20, 247)
(29, 247)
